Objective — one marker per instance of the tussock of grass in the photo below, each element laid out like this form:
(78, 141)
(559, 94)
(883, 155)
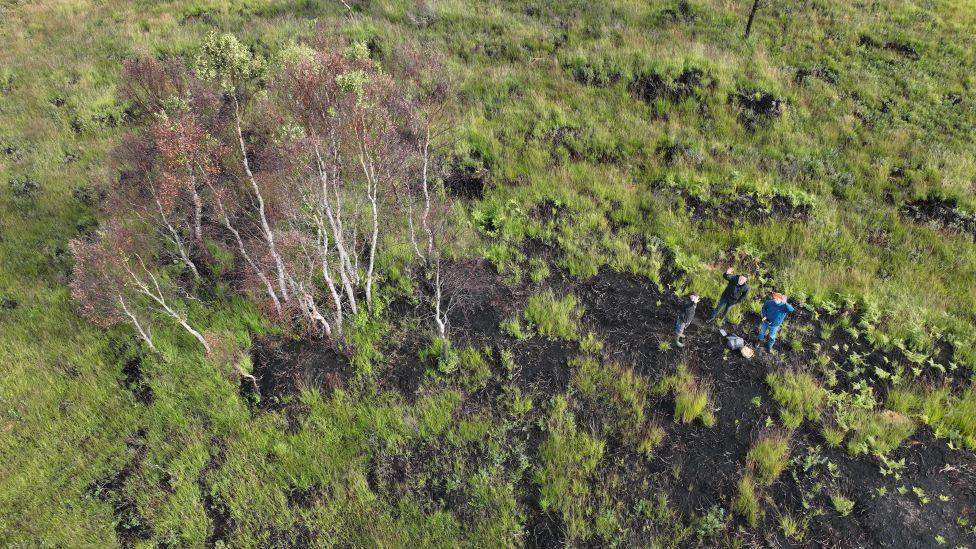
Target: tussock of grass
(833, 436)
(691, 403)
(746, 503)
(554, 318)
(567, 458)
(691, 397)
(769, 456)
(793, 528)
(512, 326)
(653, 437)
(842, 504)
(799, 394)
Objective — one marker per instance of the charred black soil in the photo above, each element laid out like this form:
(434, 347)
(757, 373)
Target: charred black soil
(221, 521)
(130, 526)
(285, 367)
(743, 206)
(943, 214)
(697, 467)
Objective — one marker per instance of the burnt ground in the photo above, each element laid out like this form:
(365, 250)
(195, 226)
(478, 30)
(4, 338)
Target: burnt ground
(697, 467)
(285, 367)
(756, 107)
(742, 206)
(216, 509)
(131, 528)
(651, 86)
(943, 214)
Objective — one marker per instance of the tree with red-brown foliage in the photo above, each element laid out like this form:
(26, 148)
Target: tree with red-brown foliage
(305, 184)
(113, 282)
(427, 93)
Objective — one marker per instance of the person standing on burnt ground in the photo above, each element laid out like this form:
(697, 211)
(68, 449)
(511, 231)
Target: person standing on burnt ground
(774, 312)
(735, 291)
(685, 317)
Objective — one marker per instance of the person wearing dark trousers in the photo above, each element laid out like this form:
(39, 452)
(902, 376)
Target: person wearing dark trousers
(774, 312)
(685, 318)
(735, 291)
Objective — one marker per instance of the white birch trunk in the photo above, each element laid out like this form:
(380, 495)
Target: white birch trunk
(174, 236)
(156, 294)
(247, 257)
(265, 226)
(144, 334)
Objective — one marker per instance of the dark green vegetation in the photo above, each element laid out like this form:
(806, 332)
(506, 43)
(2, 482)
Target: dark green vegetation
(607, 155)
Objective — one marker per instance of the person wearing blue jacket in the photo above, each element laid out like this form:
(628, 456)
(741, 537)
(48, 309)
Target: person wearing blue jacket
(774, 312)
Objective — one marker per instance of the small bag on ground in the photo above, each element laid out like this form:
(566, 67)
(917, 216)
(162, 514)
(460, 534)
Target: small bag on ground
(732, 342)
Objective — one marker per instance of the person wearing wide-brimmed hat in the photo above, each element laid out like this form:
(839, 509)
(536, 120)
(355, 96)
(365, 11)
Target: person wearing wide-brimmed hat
(774, 312)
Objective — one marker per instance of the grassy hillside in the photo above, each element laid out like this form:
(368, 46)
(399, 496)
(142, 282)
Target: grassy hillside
(629, 151)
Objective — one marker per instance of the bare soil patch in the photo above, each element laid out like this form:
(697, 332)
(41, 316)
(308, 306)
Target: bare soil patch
(697, 467)
(945, 215)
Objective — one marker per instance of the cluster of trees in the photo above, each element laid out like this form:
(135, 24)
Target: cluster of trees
(284, 177)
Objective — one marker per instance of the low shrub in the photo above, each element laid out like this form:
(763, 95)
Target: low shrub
(711, 523)
(24, 188)
(599, 72)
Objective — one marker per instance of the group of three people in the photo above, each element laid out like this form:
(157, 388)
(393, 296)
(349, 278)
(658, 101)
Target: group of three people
(774, 310)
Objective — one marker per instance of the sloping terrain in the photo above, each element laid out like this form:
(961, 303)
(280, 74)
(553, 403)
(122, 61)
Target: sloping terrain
(602, 160)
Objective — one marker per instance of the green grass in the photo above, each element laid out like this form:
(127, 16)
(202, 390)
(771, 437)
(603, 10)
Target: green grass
(769, 456)
(879, 432)
(512, 326)
(567, 458)
(799, 394)
(618, 394)
(653, 437)
(435, 412)
(552, 317)
(691, 396)
(546, 108)
(842, 504)
(833, 436)
(746, 502)
(792, 528)
(951, 416)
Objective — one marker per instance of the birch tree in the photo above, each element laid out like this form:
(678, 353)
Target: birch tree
(112, 283)
(227, 63)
